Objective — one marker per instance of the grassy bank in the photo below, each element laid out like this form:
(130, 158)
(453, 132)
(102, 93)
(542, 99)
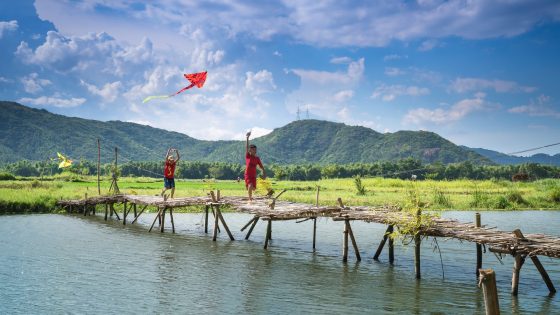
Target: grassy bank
(34, 195)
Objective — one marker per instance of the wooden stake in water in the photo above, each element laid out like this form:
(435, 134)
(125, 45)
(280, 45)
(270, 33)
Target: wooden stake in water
(478, 247)
(487, 280)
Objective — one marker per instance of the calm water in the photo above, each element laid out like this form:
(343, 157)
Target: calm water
(73, 264)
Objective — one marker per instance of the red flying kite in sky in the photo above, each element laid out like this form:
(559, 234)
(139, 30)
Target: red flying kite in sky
(197, 79)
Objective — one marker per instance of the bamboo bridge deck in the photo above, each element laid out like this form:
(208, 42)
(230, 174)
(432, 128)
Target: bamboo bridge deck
(271, 209)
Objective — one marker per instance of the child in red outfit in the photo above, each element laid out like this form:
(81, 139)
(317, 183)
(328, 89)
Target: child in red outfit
(251, 162)
(169, 171)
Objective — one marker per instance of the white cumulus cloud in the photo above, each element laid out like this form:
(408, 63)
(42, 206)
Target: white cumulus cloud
(538, 108)
(462, 85)
(443, 116)
(391, 92)
(33, 84)
(7, 27)
(260, 82)
(53, 101)
(109, 92)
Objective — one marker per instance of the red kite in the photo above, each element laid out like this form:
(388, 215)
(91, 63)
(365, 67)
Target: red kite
(197, 79)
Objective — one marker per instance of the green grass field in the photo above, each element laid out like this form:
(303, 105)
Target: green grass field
(35, 195)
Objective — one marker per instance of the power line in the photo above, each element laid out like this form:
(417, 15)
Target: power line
(533, 149)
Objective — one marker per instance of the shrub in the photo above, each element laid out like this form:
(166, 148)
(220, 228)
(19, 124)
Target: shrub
(501, 202)
(554, 194)
(440, 198)
(360, 188)
(7, 176)
(514, 196)
(479, 198)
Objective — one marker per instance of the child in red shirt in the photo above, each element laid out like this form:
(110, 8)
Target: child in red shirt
(169, 171)
(251, 162)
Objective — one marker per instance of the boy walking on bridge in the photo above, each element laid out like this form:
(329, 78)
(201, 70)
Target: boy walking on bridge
(169, 171)
(251, 162)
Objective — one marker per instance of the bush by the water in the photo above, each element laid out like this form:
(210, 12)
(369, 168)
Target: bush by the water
(6, 176)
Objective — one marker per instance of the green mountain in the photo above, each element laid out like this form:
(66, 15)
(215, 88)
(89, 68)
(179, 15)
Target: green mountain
(36, 134)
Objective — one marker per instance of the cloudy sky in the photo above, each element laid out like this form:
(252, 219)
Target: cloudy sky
(479, 73)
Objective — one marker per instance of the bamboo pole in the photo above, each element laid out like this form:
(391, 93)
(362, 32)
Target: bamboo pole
(206, 219)
(106, 211)
(382, 244)
(138, 215)
(487, 280)
(391, 250)
(155, 219)
(354, 244)
(249, 223)
(125, 213)
(215, 234)
(478, 247)
(162, 226)
(172, 223)
(315, 218)
(251, 229)
(98, 166)
(135, 213)
(417, 241)
(544, 274)
(268, 232)
(518, 263)
(314, 231)
(345, 242)
(537, 264)
(219, 213)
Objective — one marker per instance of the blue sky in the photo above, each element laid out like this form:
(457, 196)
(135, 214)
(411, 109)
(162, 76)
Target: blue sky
(479, 73)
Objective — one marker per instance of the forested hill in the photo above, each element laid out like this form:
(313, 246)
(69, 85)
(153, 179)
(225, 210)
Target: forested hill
(35, 134)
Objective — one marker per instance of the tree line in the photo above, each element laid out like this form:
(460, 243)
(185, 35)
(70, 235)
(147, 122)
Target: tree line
(402, 169)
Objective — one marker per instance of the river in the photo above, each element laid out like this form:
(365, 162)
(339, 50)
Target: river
(73, 264)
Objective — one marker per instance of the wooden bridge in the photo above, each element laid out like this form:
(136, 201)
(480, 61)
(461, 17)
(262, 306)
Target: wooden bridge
(271, 209)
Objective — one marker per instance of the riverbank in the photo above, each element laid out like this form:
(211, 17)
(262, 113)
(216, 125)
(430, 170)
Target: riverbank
(36, 195)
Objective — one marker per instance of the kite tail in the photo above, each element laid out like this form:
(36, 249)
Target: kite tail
(183, 89)
(149, 98)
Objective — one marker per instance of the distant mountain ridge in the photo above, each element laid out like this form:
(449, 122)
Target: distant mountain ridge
(502, 158)
(36, 134)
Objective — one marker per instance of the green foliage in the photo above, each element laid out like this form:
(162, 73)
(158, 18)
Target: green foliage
(6, 176)
(412, 219)
(554, 195)
(441, 199)
(501, 202)
(514, 196)
(360, 188)
(479, 198)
